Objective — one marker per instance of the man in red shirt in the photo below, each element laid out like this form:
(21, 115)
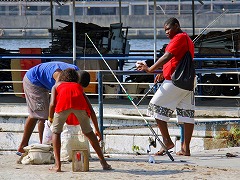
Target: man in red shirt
(169, 97)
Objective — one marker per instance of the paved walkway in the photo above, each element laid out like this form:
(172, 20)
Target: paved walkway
(209, 164)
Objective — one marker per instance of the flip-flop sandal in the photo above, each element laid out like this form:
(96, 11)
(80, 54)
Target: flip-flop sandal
(162, 153)
(166, 153)
(19, 153)
(231, 155)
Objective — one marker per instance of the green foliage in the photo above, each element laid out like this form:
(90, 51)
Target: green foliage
(135, 148)
(232, 136)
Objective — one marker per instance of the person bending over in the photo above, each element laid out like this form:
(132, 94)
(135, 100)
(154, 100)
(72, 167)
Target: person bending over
(37, 83)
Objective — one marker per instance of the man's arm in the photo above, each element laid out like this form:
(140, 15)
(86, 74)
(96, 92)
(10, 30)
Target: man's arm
(56, 74)
(160, 62)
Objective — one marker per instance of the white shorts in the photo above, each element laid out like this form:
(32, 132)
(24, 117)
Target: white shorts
(169, 98)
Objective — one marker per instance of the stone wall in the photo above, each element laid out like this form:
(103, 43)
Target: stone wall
(119, 140)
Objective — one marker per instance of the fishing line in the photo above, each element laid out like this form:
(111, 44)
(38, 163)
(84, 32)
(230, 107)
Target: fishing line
(215, 20)
(131, 99)
(25, 12)
(235, 50)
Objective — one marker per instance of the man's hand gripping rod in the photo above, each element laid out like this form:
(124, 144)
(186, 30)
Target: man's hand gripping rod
(129, 97)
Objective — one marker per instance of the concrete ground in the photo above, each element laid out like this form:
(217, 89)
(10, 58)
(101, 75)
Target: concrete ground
(209, 164)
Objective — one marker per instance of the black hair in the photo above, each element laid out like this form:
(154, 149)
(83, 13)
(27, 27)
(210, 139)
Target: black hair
(84, 78)
(69, 75)
(172, 21)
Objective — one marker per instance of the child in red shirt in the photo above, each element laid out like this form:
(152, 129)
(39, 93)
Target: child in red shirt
(67, 96)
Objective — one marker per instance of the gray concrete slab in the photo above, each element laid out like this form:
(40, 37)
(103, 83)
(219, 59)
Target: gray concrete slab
(225, 108)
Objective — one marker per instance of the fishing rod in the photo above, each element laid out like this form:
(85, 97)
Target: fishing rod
(215, 20)
(150, 89)
(131, 99)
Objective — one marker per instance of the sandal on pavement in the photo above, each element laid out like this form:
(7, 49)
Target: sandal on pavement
(19, 153)
(162, 153)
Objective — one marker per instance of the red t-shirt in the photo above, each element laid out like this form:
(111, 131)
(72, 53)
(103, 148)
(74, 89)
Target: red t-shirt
(70, 95)
(72, 120)
(177, 46)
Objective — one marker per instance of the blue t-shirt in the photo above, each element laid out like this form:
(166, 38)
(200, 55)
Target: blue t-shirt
(42, 74)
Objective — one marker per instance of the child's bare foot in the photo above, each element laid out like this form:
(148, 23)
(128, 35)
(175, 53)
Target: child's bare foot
(105, 165)
(55, 169)
(162, 152)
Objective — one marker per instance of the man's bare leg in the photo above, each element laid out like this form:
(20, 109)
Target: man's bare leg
(162, 125)
(28, 129)
(185, 149)
(40, 129)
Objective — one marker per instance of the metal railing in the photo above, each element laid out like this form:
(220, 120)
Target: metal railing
(100, 83)
(199, 70)
(163, 7)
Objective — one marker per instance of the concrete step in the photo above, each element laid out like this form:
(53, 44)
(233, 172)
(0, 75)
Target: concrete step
(124, 128)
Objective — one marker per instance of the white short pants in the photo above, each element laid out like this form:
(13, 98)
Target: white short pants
(169, 98)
